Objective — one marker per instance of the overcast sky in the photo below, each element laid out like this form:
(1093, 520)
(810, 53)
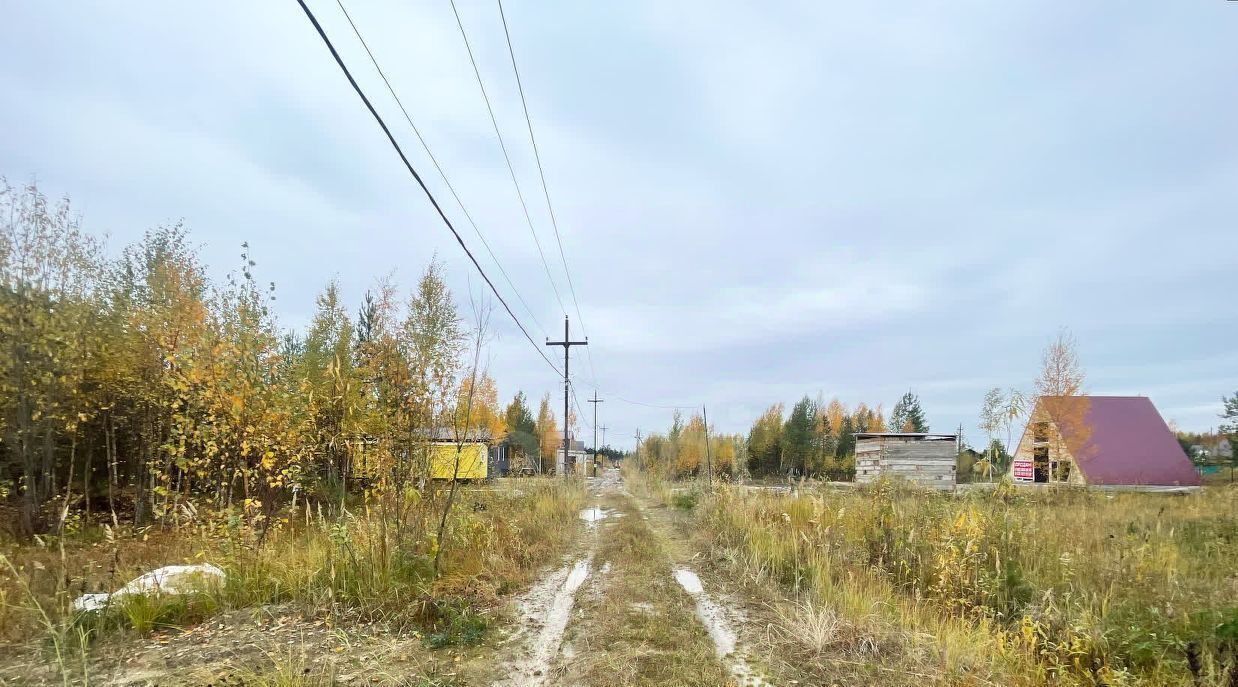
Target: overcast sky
(757, 200)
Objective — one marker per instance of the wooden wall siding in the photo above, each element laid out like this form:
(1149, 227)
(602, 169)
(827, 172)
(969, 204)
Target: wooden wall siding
(1057, 449)
(925, 463)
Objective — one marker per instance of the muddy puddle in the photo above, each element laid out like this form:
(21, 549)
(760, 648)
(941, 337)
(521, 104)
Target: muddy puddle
(720, 623)
(595, 514)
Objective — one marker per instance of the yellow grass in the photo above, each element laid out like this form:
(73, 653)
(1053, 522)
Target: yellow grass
(353, 563)
(1063, 587)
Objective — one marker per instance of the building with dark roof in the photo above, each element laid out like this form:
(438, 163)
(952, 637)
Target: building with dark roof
(1116, 441)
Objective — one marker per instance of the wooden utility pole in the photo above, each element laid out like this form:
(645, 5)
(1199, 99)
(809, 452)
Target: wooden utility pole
(603, 437)
(567, 344)
(595, 401)
(638, 465)
(709, 465)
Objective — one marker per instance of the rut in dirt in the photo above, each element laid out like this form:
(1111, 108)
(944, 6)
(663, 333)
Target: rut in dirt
(546, 609)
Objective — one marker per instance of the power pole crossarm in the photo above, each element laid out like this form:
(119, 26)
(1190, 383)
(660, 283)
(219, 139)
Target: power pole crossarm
(567, 344)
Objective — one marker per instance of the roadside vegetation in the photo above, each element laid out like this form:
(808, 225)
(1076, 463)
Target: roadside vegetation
(151, 416)
(1005, 587)
(345, 568)
(1000, 585)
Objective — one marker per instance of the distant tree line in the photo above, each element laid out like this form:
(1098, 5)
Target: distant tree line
(688, 449)
(814, 438)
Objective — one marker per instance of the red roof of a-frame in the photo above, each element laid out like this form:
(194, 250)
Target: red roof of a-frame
(1122, 440)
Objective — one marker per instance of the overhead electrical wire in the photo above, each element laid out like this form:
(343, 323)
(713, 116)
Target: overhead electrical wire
(503, 145)
(408, 165)
(580, 413)
(651, 405)
(438, 208)
(537, 156)
(426, 147)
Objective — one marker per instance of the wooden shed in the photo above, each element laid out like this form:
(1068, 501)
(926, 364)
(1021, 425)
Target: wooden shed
(926, 460)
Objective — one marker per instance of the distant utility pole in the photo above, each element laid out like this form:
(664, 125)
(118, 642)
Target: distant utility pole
(603, 435)
(638, 465)
(567, 344)
(595, 401)
(709, 464)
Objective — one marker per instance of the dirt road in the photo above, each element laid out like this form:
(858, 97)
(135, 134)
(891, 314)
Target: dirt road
(633, 603)
(628, 608)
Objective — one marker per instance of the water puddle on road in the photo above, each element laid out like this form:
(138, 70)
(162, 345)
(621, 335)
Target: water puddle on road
(716, 622)
(593, 515)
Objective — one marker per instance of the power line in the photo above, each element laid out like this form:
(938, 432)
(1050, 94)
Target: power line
(511, 170)
(426, 146)
(580, 413)
(537, 156)
(404, 158)
(651, 405)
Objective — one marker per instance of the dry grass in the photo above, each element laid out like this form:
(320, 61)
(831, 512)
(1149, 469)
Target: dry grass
(351, 566)
(640, 629)
(1063, 587)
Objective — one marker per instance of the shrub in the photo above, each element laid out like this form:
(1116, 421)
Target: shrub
(685, 500)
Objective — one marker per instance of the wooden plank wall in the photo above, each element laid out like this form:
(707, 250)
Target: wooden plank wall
(925, 463)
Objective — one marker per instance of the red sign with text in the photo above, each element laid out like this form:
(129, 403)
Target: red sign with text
(1023, 469)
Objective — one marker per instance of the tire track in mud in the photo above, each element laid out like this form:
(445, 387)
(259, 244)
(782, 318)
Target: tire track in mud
(648, 621)
(546, 609)
(720, 620)
(718, 613)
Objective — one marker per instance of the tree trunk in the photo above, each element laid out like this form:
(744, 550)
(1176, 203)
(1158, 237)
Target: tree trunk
(109, 440)
(87, 469)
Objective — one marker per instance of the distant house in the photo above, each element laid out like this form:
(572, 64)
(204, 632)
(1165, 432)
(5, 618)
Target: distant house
(576, 454)
(1223, 449)
(927, 460)
(1117, 441)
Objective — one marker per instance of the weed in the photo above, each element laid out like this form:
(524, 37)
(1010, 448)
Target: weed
(685, 500)
(145, 613)
(285, 668)
(353, 563)
(1067, 585)
(455, 624)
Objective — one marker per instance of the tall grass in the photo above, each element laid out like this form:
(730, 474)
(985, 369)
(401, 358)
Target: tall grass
(352, 564)
(1065, 587)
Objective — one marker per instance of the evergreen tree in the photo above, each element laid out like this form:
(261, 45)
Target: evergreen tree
(797, 437)
(521, 426)
(907, 415)
(1230, 427)
(846, 438)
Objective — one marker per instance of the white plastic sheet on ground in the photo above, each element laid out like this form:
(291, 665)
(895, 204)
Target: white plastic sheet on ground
(170, 579)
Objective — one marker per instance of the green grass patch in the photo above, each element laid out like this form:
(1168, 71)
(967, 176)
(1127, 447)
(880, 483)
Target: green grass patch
(685, 500)
(455, 624)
